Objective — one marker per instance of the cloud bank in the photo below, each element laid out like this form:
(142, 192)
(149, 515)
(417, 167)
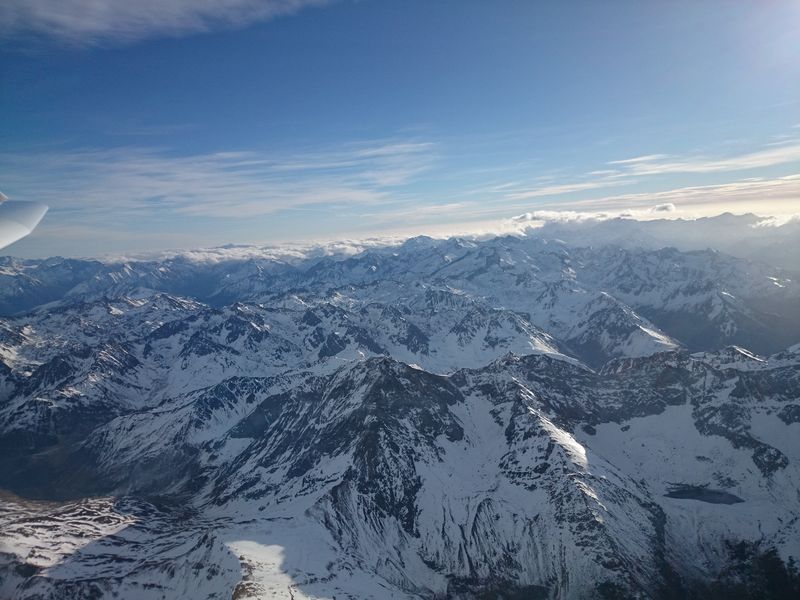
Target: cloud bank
(667, 207)
(91, 21)
(774, 241)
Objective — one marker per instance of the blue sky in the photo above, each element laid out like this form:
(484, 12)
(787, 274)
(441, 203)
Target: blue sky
(173, 123)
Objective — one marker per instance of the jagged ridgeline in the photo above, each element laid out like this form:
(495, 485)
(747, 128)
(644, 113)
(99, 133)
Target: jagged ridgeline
(507, 418)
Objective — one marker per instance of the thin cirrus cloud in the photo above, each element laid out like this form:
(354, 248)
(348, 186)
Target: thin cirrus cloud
(638, 169)
(91, 21)
(659, 164)
(775, 196)
(566, 188)
(120, 182)
(639, 159)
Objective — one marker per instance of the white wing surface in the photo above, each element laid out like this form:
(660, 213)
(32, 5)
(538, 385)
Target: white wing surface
(18, 219)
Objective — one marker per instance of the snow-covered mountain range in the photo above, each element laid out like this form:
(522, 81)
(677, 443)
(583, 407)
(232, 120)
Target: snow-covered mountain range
(515, 417)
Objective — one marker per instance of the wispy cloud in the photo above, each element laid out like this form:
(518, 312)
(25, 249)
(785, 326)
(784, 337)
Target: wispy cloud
(417, 214)
(639, 159)
(113, 183)
(659, 164)
(645, 169)
(565, 188)
(604, 172)
(91, 21)
(776, 196)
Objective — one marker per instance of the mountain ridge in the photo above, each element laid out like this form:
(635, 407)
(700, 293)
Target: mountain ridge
(460, 419)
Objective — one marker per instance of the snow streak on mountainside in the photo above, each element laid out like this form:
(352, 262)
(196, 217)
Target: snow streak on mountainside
(513, 417)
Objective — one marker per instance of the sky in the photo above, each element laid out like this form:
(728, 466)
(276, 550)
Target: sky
(163, 124)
